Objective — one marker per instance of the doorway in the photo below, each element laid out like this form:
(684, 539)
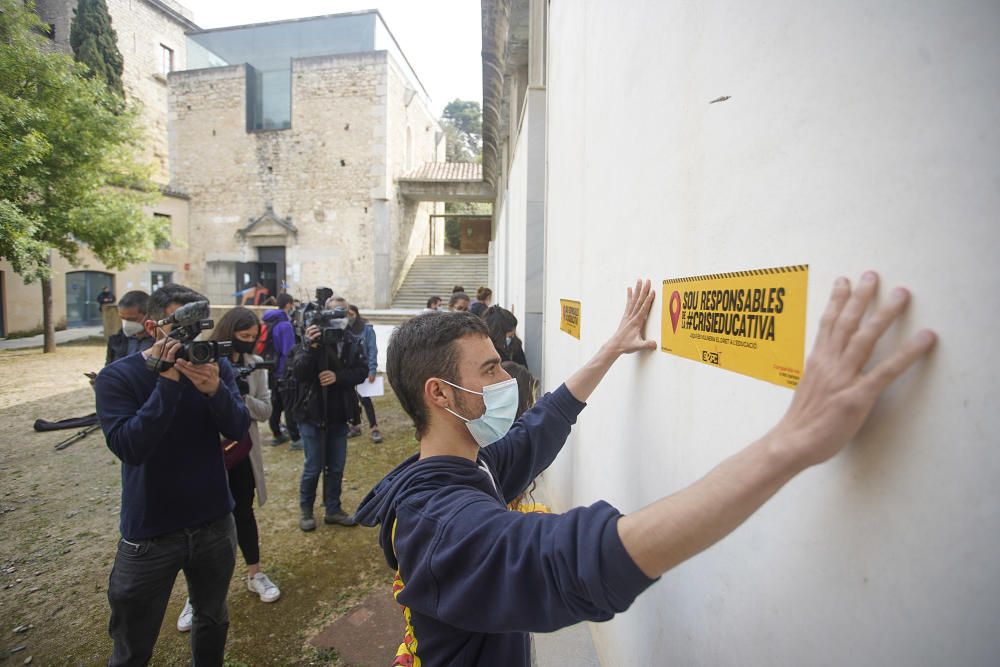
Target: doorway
(257, 281)
(82, 288)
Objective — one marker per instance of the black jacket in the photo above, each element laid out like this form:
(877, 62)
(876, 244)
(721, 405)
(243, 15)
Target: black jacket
(351, 370)
(118, 346)
(513, 352)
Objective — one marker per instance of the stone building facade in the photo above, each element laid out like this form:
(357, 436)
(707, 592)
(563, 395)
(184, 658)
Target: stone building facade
(295, 201)
(313, 200)
(152, 38)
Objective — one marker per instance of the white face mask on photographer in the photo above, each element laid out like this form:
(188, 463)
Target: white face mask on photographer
(132, 329)
(501, 408)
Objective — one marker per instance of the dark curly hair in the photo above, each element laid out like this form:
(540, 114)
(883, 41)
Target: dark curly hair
(422, 348)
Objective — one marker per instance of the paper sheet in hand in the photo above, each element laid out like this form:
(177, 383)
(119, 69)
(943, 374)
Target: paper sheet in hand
(371, 389)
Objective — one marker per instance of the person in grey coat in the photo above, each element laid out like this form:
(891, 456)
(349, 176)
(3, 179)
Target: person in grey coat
(246, 471)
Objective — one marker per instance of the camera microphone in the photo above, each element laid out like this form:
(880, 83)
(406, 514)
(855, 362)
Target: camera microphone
(189, 312)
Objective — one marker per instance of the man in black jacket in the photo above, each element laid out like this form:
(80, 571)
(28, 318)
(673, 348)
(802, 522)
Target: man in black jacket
(132, 337)
(327, 374)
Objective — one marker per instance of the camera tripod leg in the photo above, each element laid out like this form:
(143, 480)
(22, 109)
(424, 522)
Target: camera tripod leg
(80, 435)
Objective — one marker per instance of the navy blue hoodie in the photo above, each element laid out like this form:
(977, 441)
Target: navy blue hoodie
(474, 577)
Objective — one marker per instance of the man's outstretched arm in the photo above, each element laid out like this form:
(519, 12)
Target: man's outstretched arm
(831, 403)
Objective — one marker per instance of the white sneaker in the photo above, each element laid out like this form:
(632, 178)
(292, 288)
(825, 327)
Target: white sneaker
(264, 587)
(184, 620)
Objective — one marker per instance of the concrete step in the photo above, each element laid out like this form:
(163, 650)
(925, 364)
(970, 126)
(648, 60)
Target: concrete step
(391, 317)
(436, 275)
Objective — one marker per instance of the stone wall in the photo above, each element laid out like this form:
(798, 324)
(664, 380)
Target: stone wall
(142, 28)
(319, 173)
(413, 137)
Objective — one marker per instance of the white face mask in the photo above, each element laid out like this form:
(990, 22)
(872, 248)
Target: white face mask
(131, 329)
(501, 408)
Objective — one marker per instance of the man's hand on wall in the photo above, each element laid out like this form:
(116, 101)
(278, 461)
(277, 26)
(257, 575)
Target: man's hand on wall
(630, 336)
(837, 393)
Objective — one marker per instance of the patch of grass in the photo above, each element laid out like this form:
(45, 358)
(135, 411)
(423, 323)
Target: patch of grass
(322, 574)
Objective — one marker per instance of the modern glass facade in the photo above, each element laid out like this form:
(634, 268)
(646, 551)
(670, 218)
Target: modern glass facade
(269, 48)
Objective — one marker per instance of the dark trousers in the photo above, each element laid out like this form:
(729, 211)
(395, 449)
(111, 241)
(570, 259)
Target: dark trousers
(277, 406)
(242, 485)
(366, 401)
(330, 445)
(143, 576)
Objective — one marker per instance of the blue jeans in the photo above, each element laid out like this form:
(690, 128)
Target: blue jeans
(143, 576)
(336, 457)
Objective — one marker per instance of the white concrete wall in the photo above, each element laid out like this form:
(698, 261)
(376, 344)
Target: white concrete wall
(512, 296)
(858, 135)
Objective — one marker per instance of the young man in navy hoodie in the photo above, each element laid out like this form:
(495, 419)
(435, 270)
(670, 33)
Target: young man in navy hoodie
(163, 420)
(475, 578)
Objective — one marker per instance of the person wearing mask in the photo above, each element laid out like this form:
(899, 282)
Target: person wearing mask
(433, 304)
(365, 332)
(483, 300)
(162, 417)
(327, 374)
(280, 341)
(105, 297)
(132, 337)
(459, 302)
(244, 459)
(502, 327)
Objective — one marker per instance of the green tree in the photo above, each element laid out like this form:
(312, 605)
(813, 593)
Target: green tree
(463, 128)
(462, 121)
(95, 43)
(69, 178)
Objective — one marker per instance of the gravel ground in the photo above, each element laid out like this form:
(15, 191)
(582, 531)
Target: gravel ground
(59, 529)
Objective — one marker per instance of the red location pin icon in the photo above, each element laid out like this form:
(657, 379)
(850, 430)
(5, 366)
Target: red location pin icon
(675, 309)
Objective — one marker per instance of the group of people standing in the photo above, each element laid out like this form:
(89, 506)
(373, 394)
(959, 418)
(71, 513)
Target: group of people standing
(159, 413)
(501, 323)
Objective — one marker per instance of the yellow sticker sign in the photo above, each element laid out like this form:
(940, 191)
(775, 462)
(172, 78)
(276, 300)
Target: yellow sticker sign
(749, 322)
(570, 319)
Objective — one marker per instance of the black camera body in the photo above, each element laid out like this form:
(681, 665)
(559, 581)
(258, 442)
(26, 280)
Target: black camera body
(188, 322)
(245, 371)
(332, 324)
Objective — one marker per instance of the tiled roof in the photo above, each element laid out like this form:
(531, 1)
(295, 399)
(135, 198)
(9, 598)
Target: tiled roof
(445, 171)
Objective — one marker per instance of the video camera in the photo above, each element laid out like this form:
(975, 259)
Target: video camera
(188, 322)
(244, 371)
(300, 314)
(332, 324)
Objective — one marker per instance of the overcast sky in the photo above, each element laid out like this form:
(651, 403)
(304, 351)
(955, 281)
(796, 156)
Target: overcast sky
(441, 38)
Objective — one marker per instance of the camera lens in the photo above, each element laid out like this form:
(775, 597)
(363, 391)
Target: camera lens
(201, 352)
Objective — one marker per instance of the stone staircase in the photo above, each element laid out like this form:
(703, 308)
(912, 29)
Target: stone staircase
(435, 275)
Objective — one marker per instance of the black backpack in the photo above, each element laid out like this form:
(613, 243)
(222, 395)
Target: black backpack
(295, 395)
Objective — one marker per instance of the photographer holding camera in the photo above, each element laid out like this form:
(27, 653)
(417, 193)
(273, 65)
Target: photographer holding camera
(162, 414)
(327, 367)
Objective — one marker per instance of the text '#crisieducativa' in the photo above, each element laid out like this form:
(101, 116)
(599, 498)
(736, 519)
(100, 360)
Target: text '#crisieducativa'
(747, 313)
